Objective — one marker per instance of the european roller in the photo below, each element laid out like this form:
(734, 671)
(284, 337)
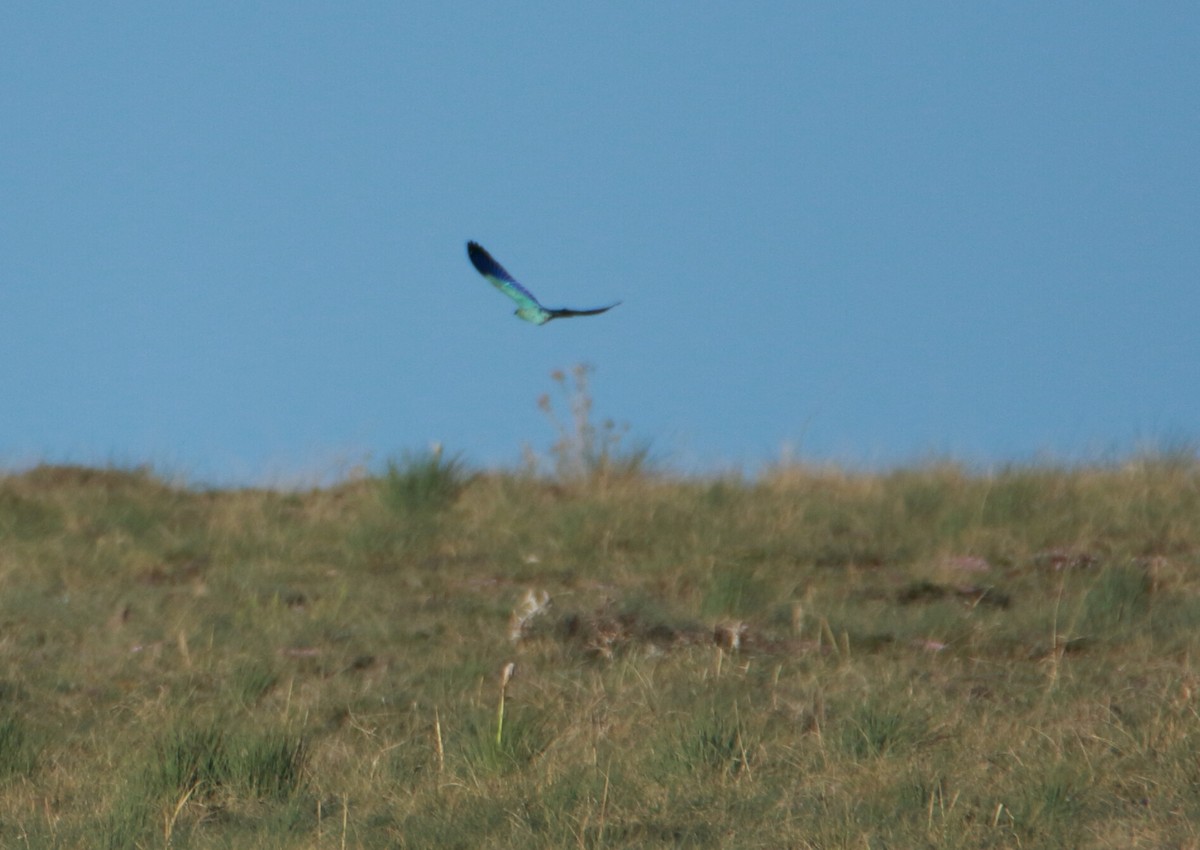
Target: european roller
(528, 307)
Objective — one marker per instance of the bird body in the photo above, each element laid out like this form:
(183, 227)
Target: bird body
(528, 307)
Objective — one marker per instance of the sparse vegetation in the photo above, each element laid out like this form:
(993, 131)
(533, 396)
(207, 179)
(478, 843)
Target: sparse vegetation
(585, 452)
(919, 658)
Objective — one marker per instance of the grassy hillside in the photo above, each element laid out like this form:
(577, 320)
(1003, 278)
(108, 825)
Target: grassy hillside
(926, 658)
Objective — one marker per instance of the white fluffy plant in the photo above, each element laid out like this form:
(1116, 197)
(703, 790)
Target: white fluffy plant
(532, 605)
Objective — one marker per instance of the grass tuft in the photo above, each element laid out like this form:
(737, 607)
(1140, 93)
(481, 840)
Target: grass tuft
(204, 760)
(191, 760)
(18, 753)
(715, 742)
(483, 752)
(269, 765)
(872, 730)
(422, 483)
(735, 591)
(1119, 599)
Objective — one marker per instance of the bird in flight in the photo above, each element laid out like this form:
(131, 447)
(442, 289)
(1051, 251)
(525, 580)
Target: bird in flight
(528, 307)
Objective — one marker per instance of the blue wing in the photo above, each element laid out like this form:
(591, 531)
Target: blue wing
(502, 280)
(528, 307)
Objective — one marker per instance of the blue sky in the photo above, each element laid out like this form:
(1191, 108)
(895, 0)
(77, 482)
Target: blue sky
(232, 235)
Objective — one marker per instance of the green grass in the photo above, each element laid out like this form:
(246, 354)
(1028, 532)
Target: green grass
(928, 657)
(422, 484)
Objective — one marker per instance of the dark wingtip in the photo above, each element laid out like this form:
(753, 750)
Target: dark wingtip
(567, 312)
(483, 262)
